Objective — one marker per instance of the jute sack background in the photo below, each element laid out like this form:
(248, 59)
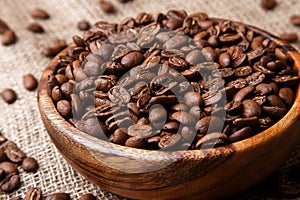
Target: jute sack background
(21, 121)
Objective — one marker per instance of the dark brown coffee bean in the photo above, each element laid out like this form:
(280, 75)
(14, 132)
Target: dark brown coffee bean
(209, 53)
(224, 59)
(64, 108)
(242, 93)
(83, 25)
(295, 20)
(14, 153)
(286, 80)
(178, 63)
(209, 123)
(229, 38)
(257, 41)
(183, 117)
(158, 114)
(11, 183)
(193, 99)
(29, 164)
(67, 88)
(274, 111)
(170, 142)
(87, 197)
(8, 38)
(290, 37)
(136, 142)
(107, 6)
(58, 196)
(247, 121)
(61, 78)
(119, 136)
(132, 59)
(224, 73)
(9, 95)
(210, 140)
(175, 42)
(35, 27)
(243, 71)
(78, 41)
(264, 89)
(274, 100)
(238, 83)
(194, 57)
(144, 121)
(140, 131)
(234, 107)
(39, 13)
(287, 95)
(188, 134)
(179, 107)
(171, 127)
(30, 82)
(255, 78)
(251, 108)
(280, 54)
(268, 4)
(34, 194)
(241, 134)
(104, 82)
(9, 168)
(56, 93)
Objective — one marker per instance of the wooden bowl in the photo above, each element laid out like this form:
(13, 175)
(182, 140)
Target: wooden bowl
(193, 174)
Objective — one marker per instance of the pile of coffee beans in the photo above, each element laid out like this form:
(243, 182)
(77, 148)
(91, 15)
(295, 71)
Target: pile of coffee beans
(11, 156)
(173, 81)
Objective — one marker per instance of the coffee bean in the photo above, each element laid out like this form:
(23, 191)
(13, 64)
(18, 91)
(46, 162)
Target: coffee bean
(268, 4)
(183, 117)
(291, 37)
(9, 168)
(192, 99)
(64, 108)
(209, 123)
(119, 136)
(107, 6)
(34, 194)
(247, 121)
(3, 26)
(9, 95)
(8, 38)
(136, 142)
(210, 140)
(141, 131)
(241, 134)
(170, 141)
(39, 13)
(251, 108)
(157, 114)
(29, 164)
(295, 20)
(35, 27)
(242, 93)
(58, 196)
(243, 71)
(30, 82)
(132, 59)
(83, 25)
(14, 153)
(224, 59)
(87, 197)
(11, 183)
(287, 95)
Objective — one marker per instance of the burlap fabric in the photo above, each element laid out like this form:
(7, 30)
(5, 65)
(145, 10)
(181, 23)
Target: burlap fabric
(21, 121)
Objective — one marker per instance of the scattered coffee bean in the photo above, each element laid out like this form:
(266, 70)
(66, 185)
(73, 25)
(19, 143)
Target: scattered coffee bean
(125, 1)
(30, 82)
(39, 13)
(87, 197)
(10, 183)
(3, 26)
(30, 164)
(58, 196)
(9, 95)
(35, 27)
(9, 37)
(83, 25)
(268, 4)
(107, 6)
(289, 37)
(34, 194)
(295, 20)
(170, 93)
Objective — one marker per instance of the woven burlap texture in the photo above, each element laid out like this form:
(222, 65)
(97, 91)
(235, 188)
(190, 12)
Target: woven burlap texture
(21, 121)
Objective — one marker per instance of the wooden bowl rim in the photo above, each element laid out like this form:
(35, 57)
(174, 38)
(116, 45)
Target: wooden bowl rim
(85, 139)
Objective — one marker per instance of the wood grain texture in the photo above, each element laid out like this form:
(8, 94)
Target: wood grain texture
(192, 174)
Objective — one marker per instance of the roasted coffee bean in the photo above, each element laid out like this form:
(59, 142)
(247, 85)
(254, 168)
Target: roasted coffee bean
(39, 13)
(88, 196)
(104, 82)
(14, 153)
(291, 37)
(224, 59)
(141, 131)
(158, 114)
(243, 71)
(251, 108)
(35, 27)
(143, 120)
(170, 142)
(64, 108)
(136, 142)
(3, 26)
(179, 107)
(286, 80)
(29, 164)
(192, 99)
(268, 4)
(58, 196)
(264, 89)
(132, 59)
(107, 6)
(11, 183)
(255, 78)
(119, 136)
(56, 93)
(183, 117)
(171, 127)
(34, 194)
(287, 95)
(240, 134)
(209, 124)
(242, 93)
(247, 121)
(83, 25)
(30, 82)
(9, 95)
(194, 57)
(8, 38)
(9, 168)
(210, 140)
(295, 20)
(175, 42)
